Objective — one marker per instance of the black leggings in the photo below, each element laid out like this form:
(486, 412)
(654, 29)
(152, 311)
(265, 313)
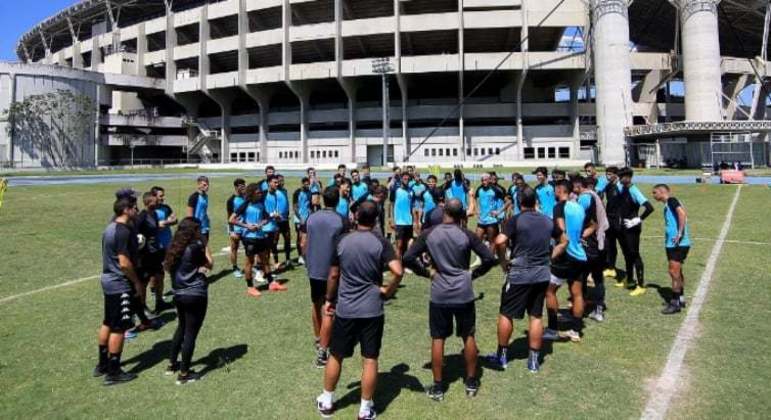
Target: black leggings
(595, 268)
(611, 252)
(630, 246)
(191, 310)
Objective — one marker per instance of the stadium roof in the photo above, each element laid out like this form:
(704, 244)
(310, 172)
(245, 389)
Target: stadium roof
(741, 24)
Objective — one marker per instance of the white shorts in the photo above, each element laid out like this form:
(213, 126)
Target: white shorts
(557, 281)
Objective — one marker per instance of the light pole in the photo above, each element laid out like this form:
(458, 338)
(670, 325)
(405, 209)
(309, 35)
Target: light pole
(382, 66)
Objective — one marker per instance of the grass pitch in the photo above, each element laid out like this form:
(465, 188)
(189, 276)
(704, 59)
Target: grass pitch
(258, 354)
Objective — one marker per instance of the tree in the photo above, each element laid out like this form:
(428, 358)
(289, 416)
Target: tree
(54, 128)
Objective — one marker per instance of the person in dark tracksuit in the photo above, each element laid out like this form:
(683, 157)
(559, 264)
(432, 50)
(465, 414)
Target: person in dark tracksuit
(452, 293)
(355, 296)
(630, 200)
(611, 190)
(677, 243)
(186, 259)
(166, 219)
(528, 237)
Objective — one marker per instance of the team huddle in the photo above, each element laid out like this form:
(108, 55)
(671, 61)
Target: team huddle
(357, 237)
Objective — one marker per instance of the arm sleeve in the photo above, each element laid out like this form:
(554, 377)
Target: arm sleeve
(388, 254)
(637, 196)
(230, 204)
(122, 239)
(242, 208)
(559, 211)
(192, 201)
(488, 259)
(510, 229)
(412, 258)
(296, 196)
(648, 210)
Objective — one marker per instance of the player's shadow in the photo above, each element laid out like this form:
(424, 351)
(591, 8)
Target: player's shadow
(454, 368)
(151, 357)
(219, 276)
(519, 349)
(664, 292)
(389, 385)
(221, 358)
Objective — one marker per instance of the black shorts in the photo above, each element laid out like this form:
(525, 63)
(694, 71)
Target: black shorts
(118, 312)
(318, 289)
(404, 232)
(567, 268)
(440, 320)
(254, 246)
(678, 253)
(283, 226)
(488, 225)
(518, 298)
(151, 263)
(347, 332)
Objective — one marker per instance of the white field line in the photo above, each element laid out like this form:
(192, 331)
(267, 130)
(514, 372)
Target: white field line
(667, 384)
(60, 285)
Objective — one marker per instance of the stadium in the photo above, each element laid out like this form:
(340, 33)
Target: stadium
(452, 82)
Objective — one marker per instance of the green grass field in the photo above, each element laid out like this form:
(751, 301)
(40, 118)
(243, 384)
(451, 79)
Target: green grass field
(258, 354)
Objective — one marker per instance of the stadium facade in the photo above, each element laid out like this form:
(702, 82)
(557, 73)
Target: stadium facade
(511, 82)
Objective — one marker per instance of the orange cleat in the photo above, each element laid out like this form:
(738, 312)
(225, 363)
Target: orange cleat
(277, 287)
(253, 292)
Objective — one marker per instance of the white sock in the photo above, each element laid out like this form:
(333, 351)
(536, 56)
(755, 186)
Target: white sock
(365, 406)
(326, 398)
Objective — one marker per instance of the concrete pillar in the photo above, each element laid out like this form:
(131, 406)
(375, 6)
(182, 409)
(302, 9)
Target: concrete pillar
(402, 80)
(701, 60)
(77, 59)
(141, 49)
(522, 76)
(171, 42)
(613, 75)
(12, 132)
(461, 73)
(731, 92)
(96, 53)
(204, 33)
(286, 45)
(225, 136)
(575, 86)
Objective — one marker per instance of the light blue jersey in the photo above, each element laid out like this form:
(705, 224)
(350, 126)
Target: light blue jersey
(672, 225)
(403, 207)
(546, 199)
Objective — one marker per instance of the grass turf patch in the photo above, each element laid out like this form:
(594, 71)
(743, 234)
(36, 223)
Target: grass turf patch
(258, 354)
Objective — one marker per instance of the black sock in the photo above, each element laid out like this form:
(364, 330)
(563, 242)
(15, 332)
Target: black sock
(578, 323)
(235, 267)
(102, 356)
(501, 350)
(552, 320)
(269, 277)
(249, 282)
(113, 363)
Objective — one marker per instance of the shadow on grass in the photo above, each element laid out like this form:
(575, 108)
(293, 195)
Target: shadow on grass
(664, 292)
(221, 358)
(519, 349)
(389, 385)
(151, 357)
(219, 276)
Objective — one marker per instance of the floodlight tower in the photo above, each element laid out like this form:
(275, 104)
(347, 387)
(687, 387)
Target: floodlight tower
(383, 67)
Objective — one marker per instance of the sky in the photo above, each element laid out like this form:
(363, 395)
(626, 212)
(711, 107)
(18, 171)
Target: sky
(19, 16)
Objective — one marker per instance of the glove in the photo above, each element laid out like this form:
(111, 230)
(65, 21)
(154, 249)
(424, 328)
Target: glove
(630, 223)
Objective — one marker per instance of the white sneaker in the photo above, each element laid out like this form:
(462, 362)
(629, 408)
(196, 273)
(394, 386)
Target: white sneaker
(408, 271)
(300, 261)
(573, 335)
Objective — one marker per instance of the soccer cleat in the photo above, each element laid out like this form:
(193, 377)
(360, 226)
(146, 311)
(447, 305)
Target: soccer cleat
(435, 392)
(671, 309)
(191, 376)
(610, 273)
(472, 387)
(532, 363)
(324, 411)
(619, 283)
(300, 261)
(597, 314)
(369, 415)
(130, 334)
(119, 378)
(573, 335)
(237, 273)
(499, 360)
(253, 292)
(550, 335)
(172, 369)
(277, 287)
(637, 291)
(322, 356)
(99, 370)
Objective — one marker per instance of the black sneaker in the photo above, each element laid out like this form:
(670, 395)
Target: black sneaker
(325, 412)
(99, 370)
(472, 387)
(172, 369)
(435, 392)
(671, 309)
(119, 378)
(322, 356)
(191, 376)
